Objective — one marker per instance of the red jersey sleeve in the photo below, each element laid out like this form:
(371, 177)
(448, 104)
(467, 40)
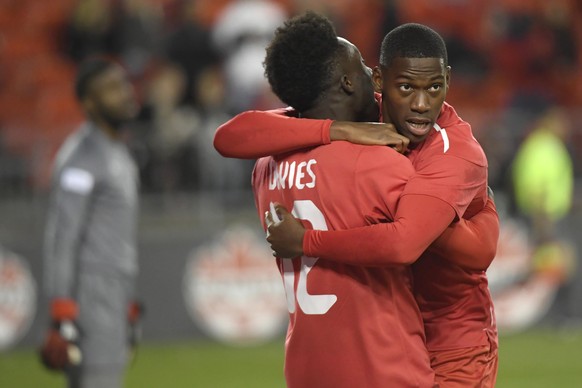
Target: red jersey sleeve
(454, 180)
(254, 134)
(472, 243)
(419, 220)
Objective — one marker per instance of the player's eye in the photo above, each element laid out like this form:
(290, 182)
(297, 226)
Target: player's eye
(435, 88)
(405, 88)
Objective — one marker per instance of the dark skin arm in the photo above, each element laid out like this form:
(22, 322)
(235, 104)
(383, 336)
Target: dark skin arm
(285, 233)
(369, 134)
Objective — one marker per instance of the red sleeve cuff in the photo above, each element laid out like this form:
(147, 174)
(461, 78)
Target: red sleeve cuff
(64, 309)
(325, 132)
(308, 238)
(134, 312)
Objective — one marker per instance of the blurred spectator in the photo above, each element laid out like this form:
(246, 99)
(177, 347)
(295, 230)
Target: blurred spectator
(129, 29)
(217, 174)
(241, 34)
(137, 31)
(90, 29)
(543, 176)
(167, 130)
(543, 179)
(189, 45)
(173, 141)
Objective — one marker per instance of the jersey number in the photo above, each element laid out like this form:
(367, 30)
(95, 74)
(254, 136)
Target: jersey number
(308, 303)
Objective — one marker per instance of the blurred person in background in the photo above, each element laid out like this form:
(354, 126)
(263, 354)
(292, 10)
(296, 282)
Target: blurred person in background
(129, 29)
(228, 176)
(543, 182)
(543, 175)
(90, 259)
(137, 34)
(190, 46)
(89, 30)
(167, 129)
(241, 33)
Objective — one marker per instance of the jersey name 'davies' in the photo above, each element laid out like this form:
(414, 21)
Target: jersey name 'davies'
(287, 175)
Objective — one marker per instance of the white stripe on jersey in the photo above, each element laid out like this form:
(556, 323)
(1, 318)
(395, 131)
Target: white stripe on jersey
(443, 133)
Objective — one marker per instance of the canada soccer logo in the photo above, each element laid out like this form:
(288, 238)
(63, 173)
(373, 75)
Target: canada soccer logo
(17, 298)
(233, 289)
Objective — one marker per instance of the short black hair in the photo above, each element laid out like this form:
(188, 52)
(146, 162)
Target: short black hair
(88, 70)
(300, 60)
(412, 40)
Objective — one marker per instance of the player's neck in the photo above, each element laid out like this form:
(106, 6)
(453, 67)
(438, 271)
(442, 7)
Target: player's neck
(338, 112)
(111, 131)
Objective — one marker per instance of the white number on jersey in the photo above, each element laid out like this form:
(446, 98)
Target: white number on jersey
(309, 304)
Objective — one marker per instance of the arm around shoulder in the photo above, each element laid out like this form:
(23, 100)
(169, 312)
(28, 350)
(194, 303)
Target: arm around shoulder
(255, 134)
(419, 221)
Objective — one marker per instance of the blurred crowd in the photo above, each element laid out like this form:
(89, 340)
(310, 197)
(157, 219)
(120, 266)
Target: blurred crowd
(196, 63)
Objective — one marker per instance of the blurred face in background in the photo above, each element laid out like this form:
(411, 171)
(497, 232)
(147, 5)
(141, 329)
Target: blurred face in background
(413, 93)
(210, 88)
(166, 89)
(111, 97)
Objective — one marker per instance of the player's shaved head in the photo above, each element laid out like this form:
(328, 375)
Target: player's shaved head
(412, 40)
(301, 59)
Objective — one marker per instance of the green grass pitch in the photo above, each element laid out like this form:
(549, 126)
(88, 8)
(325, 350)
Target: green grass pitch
(536, 359)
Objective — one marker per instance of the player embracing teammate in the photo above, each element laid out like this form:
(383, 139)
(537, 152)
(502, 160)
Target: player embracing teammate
(445, 196)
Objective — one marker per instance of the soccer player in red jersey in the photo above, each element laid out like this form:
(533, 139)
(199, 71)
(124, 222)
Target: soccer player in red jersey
(350, 326)
(450, 183)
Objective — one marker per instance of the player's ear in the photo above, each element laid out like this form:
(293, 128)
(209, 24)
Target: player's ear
(377, 79)
(448, 77)
(347, 85)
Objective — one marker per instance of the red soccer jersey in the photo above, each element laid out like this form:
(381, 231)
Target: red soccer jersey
(350, 326)
(455, 302)
(448, 150)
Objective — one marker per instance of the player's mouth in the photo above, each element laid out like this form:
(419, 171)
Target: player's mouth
(419, 126)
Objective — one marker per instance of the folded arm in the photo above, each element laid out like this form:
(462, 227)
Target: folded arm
(472, 243)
